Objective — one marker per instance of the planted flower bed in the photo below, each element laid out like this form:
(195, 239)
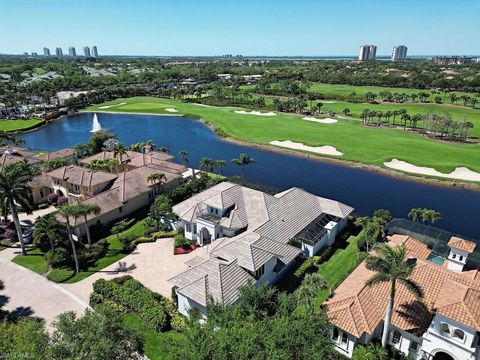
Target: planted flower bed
(182, 245)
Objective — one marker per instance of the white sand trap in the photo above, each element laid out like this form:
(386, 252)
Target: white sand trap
(171, 110)
(109, 106)
(322, 121)
(258, 113)
(202, 105)
(461, 173)
(324, 150)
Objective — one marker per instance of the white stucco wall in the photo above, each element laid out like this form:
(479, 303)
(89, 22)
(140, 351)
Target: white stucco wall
(185, 305)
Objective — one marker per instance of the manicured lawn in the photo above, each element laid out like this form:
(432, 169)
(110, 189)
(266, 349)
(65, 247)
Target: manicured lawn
(33, 261)
(154, 346)
(339, 266)
(14, 125)
(345, 90)
(358, 143)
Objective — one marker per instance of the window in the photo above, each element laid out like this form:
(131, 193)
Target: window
(194, 228)
(454, 256)
(260, 272)
(188, 227)
(458, 334)
(445, 329)
(461, 258)
(335, 334)
(42, 194)
(414, 346)
(344, 338)
(396, 336)
(120, 209)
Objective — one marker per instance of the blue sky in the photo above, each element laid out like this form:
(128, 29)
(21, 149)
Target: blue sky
(248, 27)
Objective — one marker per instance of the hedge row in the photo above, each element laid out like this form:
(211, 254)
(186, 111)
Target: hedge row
(127, 294)
(134, 297)
(155, 236)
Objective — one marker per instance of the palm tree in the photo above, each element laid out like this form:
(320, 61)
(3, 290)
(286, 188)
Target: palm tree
(15, 190)
(415, 214)
(242, 161)
(206, 164)
(372, 227)
(48, 228)
(220, 164)
(157, 178)
(85, 210)
(307, 293)
(430, 217)
(184, 157)
(149, 145)
(391, 266)
(164, 149)
(69, 212)
(119, 150)
(370, 352)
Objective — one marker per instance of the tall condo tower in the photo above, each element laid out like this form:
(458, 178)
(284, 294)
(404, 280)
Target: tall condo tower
(59, 52)
(86, 51)
(372, 52)
(399, 53)
(72, 51)
(46, 51)
(367, 52)
(94, 51)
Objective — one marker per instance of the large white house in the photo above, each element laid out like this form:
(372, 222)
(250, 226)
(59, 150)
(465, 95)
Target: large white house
(249, 236)
(444, 326)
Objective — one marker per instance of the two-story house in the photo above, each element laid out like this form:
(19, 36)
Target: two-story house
(250, 237)
(445, 325)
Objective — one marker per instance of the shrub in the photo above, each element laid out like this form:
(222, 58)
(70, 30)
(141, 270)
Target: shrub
(56, 257)
(181, 241)
(52, 198)
(133, 296)
(62, 200)
(60, 275)
(128, 243)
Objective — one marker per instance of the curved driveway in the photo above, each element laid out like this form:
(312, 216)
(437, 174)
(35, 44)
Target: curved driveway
(30, 293)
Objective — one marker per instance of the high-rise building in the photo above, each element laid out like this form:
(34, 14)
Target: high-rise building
(399, 53)
(25, 53)
(59, 52)
(367, 52)
(372, 52)
(94, 51)
(34, 53)
(86, 51)
(46, 51)
(72, 51)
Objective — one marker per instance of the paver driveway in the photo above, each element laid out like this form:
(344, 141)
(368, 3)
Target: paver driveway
(32, 294)
(152, 264)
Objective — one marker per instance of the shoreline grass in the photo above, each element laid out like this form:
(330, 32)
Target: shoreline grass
(17, 125)
(360, 144)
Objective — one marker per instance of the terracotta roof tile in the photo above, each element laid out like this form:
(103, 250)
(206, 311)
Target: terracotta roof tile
(461, 244)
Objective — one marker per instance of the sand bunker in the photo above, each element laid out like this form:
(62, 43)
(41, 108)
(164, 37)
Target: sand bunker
(322, 121)
(109, 106)
(324, 150)
(202, 105)
(461, 173)
(171, 110)
(258, 113)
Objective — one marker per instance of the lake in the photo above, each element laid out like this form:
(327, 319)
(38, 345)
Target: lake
(365, 190)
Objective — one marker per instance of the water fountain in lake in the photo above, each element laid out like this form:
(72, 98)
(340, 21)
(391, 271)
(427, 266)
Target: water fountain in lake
(96, 124)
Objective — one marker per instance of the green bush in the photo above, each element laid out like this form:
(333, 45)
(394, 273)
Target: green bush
(181, 241)
(155, 236)
(132, 295)
(56, 257)
(60, 275)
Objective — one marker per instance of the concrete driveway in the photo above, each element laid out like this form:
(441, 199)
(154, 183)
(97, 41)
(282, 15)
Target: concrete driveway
(29, 293)
(151, 263)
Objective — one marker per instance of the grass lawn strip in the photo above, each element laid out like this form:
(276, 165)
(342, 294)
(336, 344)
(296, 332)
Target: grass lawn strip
(15, 125)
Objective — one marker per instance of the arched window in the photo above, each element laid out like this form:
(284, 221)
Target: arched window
(458, 334)
(444, 328)
(461, 257)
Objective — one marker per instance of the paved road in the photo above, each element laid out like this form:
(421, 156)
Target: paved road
(151, 263)
(31, 293)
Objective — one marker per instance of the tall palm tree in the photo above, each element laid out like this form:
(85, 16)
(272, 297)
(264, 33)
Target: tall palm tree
(70, 212)
(372, 227)
(206, 164)
(48, 228)
(184, 157)
(85, 210)
(157, 178)
(415, 214)
(15, 190)
(149, 145)
(220, 164)
(307, 293)
(391, 266)
(242, 161)
(430, 217)
(119, 150)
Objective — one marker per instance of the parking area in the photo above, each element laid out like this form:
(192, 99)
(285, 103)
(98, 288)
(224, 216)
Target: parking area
(152, 264)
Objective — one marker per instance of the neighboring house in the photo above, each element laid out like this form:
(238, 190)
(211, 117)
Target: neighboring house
(41, 187)
(13, 154)
(249, 235)
(67, 154)
(134, 159)
(129, 192)
(444, 326)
